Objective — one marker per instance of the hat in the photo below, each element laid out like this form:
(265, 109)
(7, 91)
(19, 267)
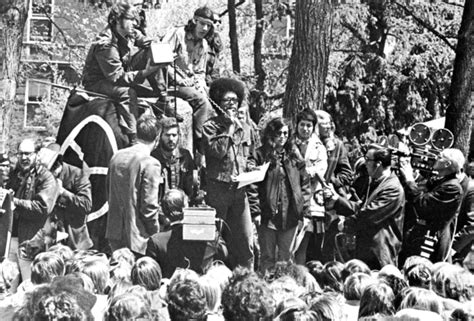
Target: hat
(49, 154)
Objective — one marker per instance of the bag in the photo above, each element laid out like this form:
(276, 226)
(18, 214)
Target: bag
(79, 238)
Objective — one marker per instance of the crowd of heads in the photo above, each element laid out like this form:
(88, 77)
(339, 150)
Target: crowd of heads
(83, 285)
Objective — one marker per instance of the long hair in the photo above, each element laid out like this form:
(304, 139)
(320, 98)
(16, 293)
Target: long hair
(270, 133)
(203, 12)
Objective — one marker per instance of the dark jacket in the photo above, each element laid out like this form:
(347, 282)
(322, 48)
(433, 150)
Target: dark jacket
(435, 210)
(464, 237)
(226, 155)
(263, 196)
(339, 170)
(178, 169)
(36, 195)
(170, 250)
(377, 222)
(132, 187)
(109, 58)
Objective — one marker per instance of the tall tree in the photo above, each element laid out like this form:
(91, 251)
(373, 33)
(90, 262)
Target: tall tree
(309, 58)
(234, 39)
(459, 112)
(13, 18)
(257, 46)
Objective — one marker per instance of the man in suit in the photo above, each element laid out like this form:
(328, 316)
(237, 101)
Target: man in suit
(132, 187)
(376, 220)
(170, 250)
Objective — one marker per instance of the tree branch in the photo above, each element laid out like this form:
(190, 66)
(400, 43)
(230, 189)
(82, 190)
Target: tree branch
(57, 27)
(354, 31)
(426, 25)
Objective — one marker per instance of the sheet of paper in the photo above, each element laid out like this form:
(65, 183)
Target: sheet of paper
(254, 176)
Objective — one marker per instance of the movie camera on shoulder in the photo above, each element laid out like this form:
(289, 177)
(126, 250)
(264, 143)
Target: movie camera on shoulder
(425, 145)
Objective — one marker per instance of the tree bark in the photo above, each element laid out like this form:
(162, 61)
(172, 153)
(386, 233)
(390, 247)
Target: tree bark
(234, 40)
(309, 58)
(13, 19)
(459, 111)
(257, 46)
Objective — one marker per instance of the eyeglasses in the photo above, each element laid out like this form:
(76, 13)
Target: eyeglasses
(283, 132)
(233, 100)
(25, 153)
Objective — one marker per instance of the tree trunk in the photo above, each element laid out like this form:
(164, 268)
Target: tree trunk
(459, 111)
(309, 58)
(234, 40)
(13, 19)
(257, 47)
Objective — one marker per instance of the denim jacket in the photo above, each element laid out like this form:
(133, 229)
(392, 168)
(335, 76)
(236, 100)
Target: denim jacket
(226, 154)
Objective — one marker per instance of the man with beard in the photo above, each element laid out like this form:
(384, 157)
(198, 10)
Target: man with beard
(176, 162)
(35, 194)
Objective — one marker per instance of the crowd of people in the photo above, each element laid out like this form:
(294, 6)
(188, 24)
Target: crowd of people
(319, 237)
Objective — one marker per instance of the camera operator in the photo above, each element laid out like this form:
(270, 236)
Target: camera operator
(433, 209)
(377, 219)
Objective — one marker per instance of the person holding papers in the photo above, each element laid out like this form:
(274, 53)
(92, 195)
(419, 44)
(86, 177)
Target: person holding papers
(226, 145)
(282, 199)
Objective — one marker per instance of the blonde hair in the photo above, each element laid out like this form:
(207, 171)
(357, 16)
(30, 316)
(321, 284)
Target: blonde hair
(212, 291)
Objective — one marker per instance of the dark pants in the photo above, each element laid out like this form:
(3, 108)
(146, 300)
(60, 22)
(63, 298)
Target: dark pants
(126, 97)
(202, 109)
(232, 206)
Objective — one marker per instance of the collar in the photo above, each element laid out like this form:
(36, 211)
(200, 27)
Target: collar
(176, 153)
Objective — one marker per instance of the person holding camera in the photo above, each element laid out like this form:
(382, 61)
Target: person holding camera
(376, 219)
(434, 209)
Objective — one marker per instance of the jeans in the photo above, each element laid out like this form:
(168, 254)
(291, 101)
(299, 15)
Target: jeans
(232, 206)
(274, 245)
(202, 109)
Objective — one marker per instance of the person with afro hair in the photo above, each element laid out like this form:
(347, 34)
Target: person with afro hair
(226, 144)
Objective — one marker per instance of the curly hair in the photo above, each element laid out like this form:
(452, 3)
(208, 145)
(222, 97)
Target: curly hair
(186, 301)
(221, 86)
(247, 297)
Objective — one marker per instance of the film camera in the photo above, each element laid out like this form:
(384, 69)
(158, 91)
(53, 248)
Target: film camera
(424, 146)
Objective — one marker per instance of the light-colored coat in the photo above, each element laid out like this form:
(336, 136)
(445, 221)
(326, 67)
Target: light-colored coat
(132, 186)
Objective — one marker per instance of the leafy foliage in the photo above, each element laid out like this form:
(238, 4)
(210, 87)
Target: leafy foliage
(407, 84)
